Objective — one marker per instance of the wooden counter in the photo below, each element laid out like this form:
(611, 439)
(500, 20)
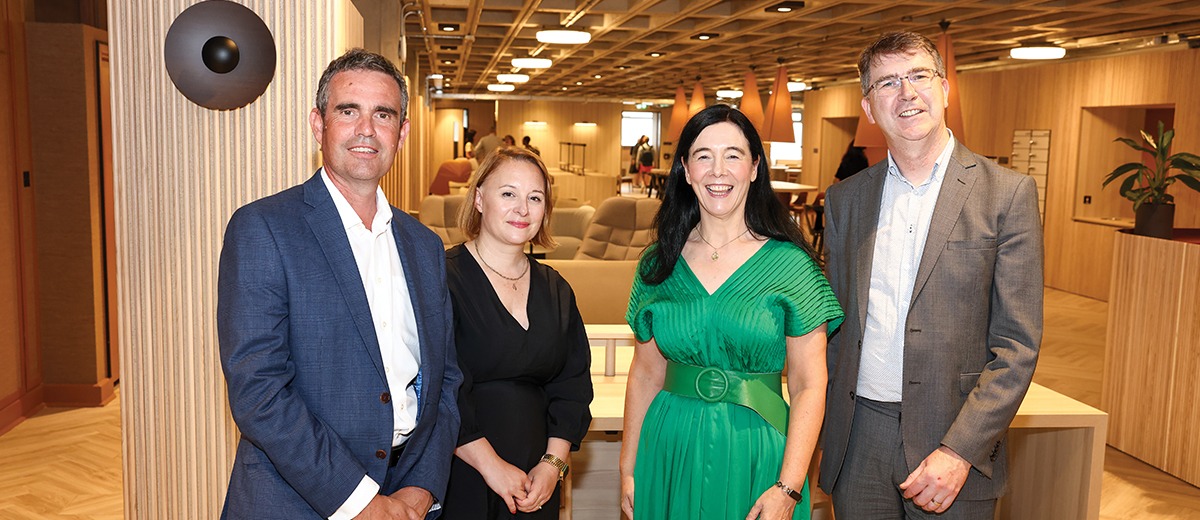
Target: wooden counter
(1056, 444)
(1152, 357)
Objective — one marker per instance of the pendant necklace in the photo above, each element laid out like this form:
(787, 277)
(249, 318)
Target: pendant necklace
(514, 280)
(716, 250)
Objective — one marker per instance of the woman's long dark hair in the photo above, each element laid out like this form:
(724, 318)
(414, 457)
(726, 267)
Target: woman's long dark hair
(680, 212)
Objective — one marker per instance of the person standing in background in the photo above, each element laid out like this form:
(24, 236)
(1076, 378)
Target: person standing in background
(487, 144)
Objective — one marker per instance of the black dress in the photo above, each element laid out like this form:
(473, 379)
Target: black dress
(520, 387)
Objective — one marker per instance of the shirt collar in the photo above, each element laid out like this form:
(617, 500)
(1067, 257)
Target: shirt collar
(383, 210)
(938, 170)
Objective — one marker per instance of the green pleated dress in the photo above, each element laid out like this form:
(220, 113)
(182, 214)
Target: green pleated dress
(700, 460)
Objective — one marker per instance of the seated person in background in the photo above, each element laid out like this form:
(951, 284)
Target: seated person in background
(454, 170)
(469, 143)
(523, 349)
(853, 161)
(530, 147)
(509, 141)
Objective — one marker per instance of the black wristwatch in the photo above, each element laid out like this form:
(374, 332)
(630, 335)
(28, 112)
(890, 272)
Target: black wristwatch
(791, 493)
(562, 466)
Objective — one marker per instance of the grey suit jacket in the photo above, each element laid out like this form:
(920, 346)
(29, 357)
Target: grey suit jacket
(975, 322)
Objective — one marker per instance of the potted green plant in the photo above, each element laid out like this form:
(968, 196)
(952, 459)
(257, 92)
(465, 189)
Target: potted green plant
(1146, 186)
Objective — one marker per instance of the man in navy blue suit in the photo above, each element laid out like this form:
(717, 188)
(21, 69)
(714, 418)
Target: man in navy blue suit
(335, 327)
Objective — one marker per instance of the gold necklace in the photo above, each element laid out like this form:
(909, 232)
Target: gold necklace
(716, 250)
(498, 273)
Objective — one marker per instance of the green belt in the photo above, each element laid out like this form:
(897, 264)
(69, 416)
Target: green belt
(762, 393)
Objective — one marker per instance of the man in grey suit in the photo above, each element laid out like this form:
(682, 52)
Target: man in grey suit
(335, 327)
(936, 256)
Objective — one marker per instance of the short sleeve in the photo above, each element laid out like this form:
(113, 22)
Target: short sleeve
(807, 299)
(638, 315)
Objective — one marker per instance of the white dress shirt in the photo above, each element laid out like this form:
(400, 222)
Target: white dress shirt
(904, 215)
(395, 322)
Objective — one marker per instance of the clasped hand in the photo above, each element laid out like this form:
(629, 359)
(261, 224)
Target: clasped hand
(520, 491)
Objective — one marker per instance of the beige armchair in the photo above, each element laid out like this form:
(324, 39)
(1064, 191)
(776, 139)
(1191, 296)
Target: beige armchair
(567, 226)
(601, 287)
(440, 213)
(620, 230)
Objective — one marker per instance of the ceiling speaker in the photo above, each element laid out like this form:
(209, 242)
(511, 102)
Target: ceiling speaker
(220, 54)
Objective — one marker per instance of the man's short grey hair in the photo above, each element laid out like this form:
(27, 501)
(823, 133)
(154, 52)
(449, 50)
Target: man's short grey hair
(896, 43)
(360, 59)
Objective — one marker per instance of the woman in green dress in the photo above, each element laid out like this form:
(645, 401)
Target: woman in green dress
(728, 293)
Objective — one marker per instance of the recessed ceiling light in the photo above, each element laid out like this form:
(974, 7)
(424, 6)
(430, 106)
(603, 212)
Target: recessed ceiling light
(729, 94)
(1037, 51)
(786, 6)
(655, 54)
(564, 88)
(597, 76)
(578, 82)
(531, 63)
(447, 27)
(622, 67)
(447, 62)
(449, 47)
(705, 36)
(501, 87)
(564, 36)
(512, 78)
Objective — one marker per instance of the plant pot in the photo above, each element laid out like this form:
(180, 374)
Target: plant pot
(1155, 220)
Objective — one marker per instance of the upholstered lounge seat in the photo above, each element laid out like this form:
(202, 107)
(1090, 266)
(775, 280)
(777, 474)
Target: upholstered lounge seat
(440, 213)
(620, 230)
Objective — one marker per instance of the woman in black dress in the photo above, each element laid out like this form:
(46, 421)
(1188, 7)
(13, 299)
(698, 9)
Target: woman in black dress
(521, 346)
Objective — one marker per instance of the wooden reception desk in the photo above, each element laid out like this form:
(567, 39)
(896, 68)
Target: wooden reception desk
(1152, 359)
(1056, 444)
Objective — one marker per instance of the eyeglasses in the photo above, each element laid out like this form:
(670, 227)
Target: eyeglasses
(918, 78)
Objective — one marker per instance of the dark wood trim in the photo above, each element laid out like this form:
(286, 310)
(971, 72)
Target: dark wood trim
(98, 394)
(24, 407)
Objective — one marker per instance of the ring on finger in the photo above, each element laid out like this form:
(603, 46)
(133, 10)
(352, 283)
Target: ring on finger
(935, 503)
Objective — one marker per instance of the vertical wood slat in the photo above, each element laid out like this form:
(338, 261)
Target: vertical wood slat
(181, 170)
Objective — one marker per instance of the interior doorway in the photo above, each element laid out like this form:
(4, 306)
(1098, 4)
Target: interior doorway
(836, 135)
(448, 138)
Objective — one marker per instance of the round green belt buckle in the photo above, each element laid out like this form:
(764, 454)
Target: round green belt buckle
(712, 384)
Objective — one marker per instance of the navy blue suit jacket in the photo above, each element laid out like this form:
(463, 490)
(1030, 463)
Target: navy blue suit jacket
(302, 362)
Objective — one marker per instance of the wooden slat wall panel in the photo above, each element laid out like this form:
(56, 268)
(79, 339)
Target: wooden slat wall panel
(181, 171)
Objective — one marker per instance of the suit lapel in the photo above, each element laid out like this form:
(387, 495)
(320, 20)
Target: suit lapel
(867, 211)
(956, 186)
(326, 224)
(417, 285)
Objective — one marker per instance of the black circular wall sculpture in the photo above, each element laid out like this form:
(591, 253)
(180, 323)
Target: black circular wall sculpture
(220, 54)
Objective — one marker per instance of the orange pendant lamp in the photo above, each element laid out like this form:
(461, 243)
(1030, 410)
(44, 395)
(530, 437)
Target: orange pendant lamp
(954, 115)
(698, 103)
(751, 103)
(679, 115)
(777, 123)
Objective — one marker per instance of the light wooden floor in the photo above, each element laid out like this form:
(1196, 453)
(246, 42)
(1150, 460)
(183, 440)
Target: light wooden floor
(66, 463)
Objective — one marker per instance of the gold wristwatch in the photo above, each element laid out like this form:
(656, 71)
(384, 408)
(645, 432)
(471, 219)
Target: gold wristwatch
(562, 465)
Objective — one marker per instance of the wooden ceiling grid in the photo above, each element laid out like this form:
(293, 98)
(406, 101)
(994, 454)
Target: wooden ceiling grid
(818, 43)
